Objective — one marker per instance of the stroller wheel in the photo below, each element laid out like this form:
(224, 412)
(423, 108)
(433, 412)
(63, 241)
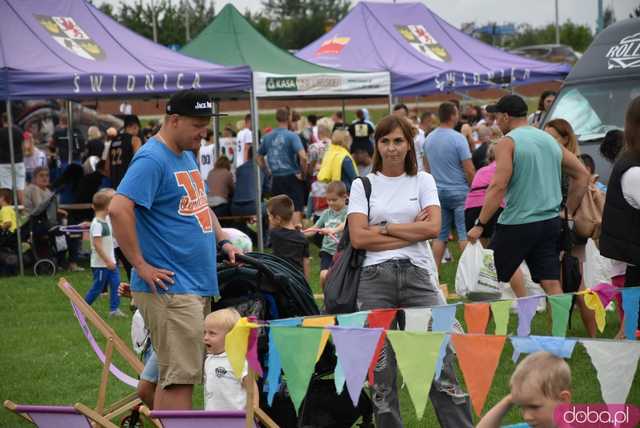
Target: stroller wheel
(44, 267)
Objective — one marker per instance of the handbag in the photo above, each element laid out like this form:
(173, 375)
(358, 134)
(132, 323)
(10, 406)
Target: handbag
(588, 217)
(341, 288)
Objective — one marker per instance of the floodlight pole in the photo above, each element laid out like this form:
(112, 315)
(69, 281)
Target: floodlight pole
(255, 125)
(14, 184)
(557, 25)
(600, 17)
(154, 22)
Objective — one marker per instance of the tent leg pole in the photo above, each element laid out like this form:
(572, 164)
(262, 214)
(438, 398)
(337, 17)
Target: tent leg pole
(390, 103)
(70, 132)
(344, 112)
(14, 184)
(216, 127)
(255, 125)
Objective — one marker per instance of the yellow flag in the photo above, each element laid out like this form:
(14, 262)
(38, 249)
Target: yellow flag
(320, 322)
(593, 302)
(236, 343)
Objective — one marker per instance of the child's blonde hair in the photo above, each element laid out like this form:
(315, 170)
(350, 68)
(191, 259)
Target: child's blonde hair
(101, 201)
(543, 371)
(225, 318)
(338, 188)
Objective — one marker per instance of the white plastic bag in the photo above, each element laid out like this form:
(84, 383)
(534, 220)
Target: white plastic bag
(476, 271)
(596, 269)
(139, 333)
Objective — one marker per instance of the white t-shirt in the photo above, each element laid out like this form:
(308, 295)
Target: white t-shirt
(397, 200)
(101, 229)
(222, 390)
(206, 159)
(630, 183)
(418, 142)
(244, 137)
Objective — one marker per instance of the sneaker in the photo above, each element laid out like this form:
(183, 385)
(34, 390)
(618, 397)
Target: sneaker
(117, 314)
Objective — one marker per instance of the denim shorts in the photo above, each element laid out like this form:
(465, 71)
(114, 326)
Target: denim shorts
(452, 211)
(150, 373)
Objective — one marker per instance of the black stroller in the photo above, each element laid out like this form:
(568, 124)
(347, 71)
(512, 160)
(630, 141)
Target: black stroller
(268, 287)
(42, 232)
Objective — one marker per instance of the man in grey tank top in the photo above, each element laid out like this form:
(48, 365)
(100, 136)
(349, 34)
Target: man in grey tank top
(529, 166)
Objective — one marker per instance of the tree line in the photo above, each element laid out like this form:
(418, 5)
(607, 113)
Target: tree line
(293, 24)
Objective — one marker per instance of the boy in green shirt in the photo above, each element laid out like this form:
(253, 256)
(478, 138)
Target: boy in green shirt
(330, 224)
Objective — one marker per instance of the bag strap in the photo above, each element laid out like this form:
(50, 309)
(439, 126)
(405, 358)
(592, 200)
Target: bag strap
(366, 183)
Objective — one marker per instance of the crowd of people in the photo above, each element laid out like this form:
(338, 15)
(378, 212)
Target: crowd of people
(462, 174)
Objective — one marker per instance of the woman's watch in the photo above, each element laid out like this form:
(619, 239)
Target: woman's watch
(222, 243)
(477, 223)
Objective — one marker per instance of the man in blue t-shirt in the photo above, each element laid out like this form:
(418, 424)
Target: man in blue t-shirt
(167, 231)
(287, 163)
(449, 161)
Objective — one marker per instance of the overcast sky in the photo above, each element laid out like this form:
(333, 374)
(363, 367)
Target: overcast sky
(534, 12)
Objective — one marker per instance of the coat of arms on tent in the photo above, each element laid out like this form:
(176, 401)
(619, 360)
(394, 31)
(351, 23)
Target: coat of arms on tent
(71, 36)
(423, 42)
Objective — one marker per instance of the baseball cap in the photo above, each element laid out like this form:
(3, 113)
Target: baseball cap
(511, 104)
(191, 103)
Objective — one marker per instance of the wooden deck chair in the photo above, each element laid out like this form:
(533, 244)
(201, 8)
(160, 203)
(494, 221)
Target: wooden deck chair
(84, 312)
(57, 416)
(207, 418)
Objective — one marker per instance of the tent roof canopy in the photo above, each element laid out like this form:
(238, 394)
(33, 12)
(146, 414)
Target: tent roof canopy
(423, 52)
(69, 49)
(232, 41)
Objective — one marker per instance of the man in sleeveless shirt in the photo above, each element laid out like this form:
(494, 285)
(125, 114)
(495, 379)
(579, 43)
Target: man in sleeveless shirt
(122, 149)
(529, 166)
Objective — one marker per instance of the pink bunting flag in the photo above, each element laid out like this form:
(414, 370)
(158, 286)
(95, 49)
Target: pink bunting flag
(252, 350)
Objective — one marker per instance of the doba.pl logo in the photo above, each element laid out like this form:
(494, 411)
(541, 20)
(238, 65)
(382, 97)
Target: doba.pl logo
(596, 415)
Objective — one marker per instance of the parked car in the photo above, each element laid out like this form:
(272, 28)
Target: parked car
(549, 53)
(595, 95)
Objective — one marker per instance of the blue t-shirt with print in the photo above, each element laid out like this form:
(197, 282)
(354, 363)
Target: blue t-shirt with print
(446, 149)
(281, 148)
(173, 220)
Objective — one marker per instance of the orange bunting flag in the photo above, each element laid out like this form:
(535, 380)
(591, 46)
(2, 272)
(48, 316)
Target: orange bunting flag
(379, 318)
(476, 315)
(478, 357)
(320, 322)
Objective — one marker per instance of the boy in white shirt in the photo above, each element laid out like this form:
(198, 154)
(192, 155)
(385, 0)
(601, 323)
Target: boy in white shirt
(222, 389)
(103, 260)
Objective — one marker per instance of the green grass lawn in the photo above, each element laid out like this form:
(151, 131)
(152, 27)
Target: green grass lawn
(45, 359)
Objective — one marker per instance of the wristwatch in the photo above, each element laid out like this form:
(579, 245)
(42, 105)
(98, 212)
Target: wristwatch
(477, 223)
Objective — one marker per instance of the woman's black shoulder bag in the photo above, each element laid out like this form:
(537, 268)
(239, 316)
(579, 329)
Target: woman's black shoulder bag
(341, 288)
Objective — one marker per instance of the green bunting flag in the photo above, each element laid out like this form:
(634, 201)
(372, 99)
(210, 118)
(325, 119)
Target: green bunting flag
(500, 310)
(298, 349)
(560, 306)
(416, 354)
